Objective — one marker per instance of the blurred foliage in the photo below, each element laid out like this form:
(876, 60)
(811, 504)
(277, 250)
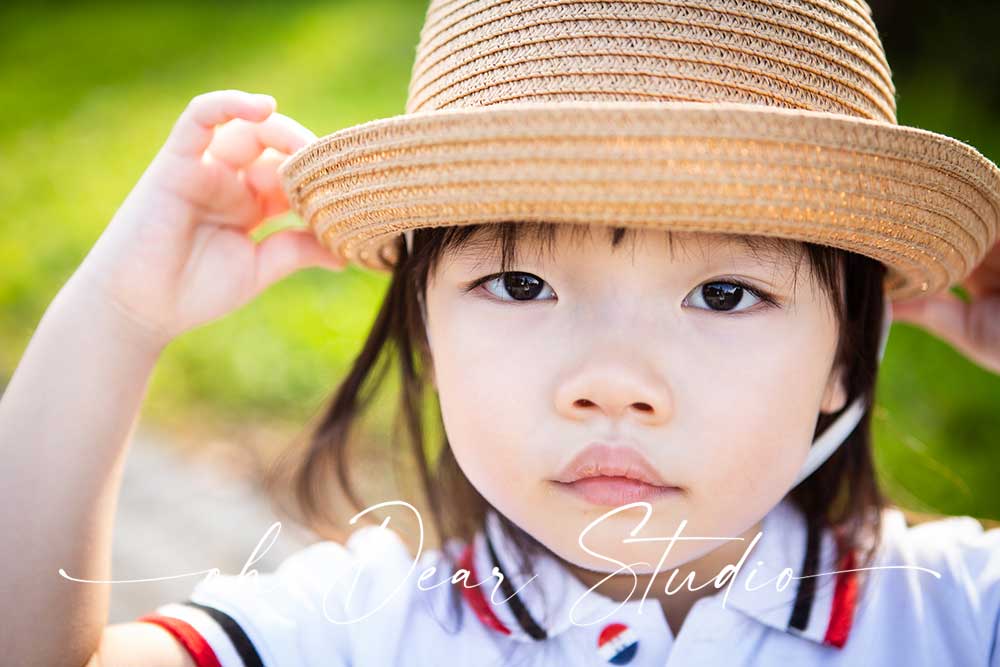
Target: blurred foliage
(90, 91)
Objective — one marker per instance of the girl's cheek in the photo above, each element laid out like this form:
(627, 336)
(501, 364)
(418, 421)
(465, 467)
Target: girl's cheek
(481, 390)
(752, 428)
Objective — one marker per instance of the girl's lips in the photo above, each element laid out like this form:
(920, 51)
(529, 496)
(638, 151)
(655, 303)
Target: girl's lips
(610, 475)
(615, 491)
(600, 459)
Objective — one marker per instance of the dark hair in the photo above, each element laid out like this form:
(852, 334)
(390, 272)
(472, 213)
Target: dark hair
(842, 493)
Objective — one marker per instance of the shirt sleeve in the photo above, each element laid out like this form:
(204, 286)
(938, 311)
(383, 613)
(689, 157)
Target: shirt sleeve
(292, 617)
(969, 556)
(982, 568)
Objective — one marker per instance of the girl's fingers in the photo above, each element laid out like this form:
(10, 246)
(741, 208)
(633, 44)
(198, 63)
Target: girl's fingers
(262, 177)
(973, 328)
(239, 142)
(985, 277)
(193, 131)
(938, 314)
(287, 251)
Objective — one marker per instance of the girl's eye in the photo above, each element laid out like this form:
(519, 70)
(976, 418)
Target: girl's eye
(726, 295)
(516, 286)
(718, 295)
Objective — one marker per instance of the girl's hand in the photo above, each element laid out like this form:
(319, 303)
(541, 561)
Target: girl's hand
(972, 328)
(177, 253)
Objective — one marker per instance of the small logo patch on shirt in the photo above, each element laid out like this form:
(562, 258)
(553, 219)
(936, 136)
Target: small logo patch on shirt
(617, 644)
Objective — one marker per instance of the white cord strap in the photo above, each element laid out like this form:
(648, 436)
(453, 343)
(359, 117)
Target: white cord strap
(835, 434)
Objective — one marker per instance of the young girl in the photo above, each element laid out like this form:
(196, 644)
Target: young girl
(642, 256)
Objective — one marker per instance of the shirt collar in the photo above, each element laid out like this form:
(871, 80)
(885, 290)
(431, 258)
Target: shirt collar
(818, 608)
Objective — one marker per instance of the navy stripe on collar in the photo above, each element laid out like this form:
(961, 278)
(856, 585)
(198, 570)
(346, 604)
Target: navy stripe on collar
(524, 619)
(244, 647)
(806, 594)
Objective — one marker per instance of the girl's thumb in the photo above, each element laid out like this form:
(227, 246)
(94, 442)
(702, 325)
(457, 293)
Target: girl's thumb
(943, 314)
(288, 250)
(971, 327)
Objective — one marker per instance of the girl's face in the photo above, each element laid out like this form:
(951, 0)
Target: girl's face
(642, 346)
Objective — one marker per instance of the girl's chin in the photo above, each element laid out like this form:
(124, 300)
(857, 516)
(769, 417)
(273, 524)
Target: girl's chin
(639, 565)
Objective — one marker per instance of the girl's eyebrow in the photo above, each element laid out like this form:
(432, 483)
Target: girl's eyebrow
(766, 249)
(755, 242)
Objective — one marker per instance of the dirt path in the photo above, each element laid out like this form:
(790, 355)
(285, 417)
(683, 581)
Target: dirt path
(179, 515)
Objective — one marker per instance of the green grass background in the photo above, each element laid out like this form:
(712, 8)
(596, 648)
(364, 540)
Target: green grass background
(89, 92)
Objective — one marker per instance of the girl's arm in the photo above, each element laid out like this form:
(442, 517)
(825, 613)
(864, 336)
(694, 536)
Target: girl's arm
(65, 420)
(177, 254)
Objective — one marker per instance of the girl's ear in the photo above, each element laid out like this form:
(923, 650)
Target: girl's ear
(835, 395)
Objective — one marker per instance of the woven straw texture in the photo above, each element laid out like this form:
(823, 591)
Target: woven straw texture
(774, 117)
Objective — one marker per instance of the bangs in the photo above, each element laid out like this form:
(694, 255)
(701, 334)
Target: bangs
(503, 240)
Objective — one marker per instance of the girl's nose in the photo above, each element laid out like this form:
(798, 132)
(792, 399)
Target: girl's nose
(615, 392)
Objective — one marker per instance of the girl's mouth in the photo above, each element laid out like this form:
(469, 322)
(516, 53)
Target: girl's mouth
(615, 491)
(613, 475)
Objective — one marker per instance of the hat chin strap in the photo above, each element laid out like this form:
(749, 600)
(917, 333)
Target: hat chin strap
(834, 434)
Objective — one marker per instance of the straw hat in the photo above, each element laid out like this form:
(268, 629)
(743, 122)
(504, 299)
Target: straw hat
(770, 117)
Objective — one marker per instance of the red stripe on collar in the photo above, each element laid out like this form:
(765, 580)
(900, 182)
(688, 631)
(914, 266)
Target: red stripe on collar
(474, 596)
(197, 646)
(845, 597)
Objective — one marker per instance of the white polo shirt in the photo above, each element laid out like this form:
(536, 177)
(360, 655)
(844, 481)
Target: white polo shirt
(900, 616)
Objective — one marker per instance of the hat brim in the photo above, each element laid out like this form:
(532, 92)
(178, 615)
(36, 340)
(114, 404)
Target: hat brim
(924, 204)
